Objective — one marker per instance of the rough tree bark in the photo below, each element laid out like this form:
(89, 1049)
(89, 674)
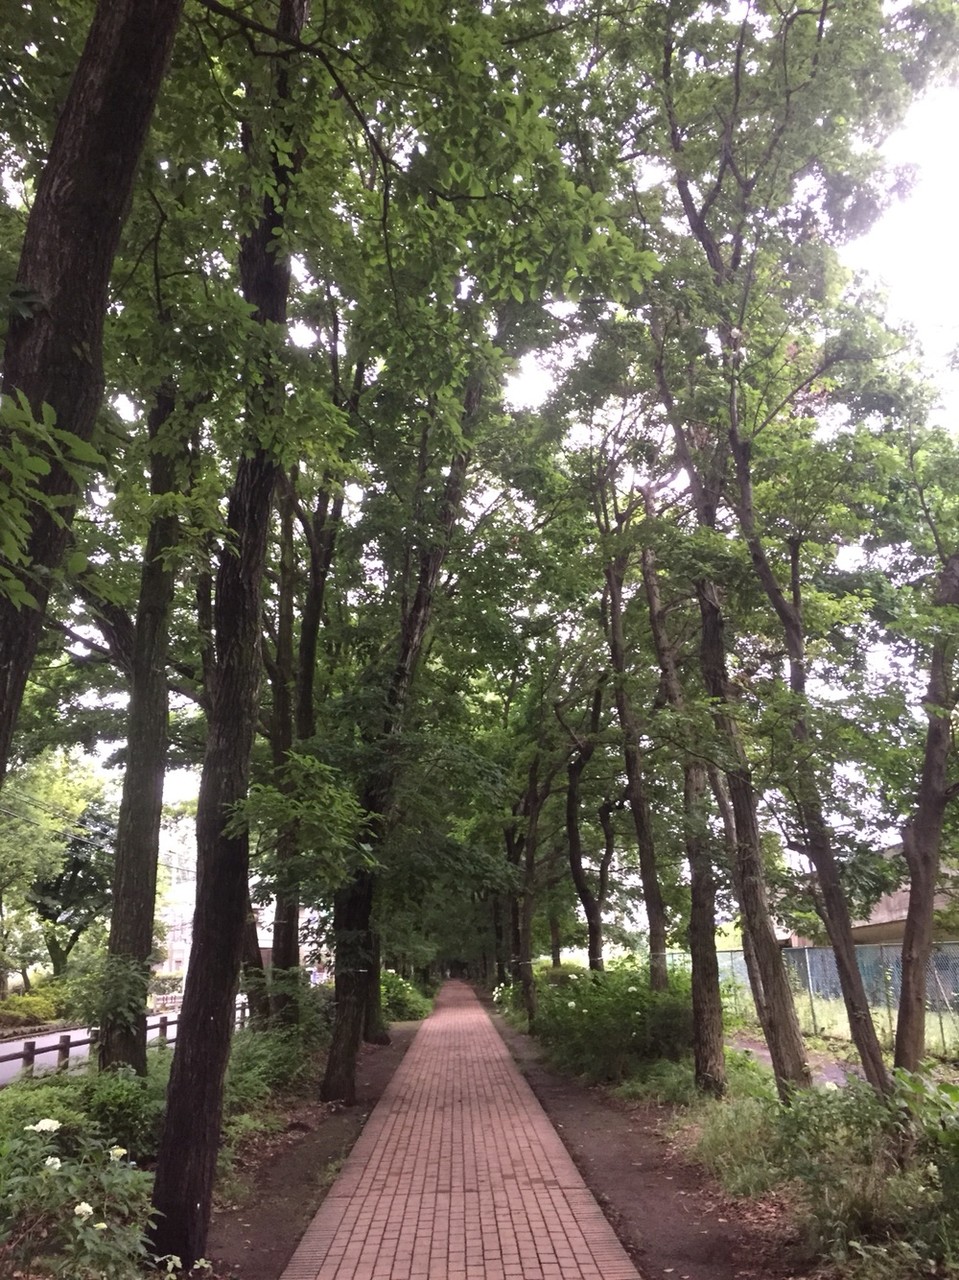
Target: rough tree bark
(922, 833)
(770, 984)
(591, 902)
(123, 1031)
(809, 801)
(53, 356)
(775, 999)
(635, 781)
(708, 1045)
(280, 670)
(186, 1161)
(352, 913)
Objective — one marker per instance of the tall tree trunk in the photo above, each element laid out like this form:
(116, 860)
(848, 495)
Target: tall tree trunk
(352, 912)
(286, 932)
(515, 938)
(253, 976)
(186, 1161)
(294, 706)
(809, 801)
(635, 781)
(123, 1031)
(555, 938)
(708, 1048)
(524, 957)
(720, 792)
(589, 901)
(775, 1003)
(53, 356)
(375, 1029)
(58, 954)
(922, 834)
(736, 798)
(496, 910)
(521, 848)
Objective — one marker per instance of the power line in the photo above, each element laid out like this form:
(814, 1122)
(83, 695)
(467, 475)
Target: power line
(187, 873)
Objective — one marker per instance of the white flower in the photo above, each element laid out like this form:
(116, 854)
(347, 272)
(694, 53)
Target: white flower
(82, 1210)
(117, 1152)
(99, 1226)
(630, 988)
(52, 1162)
(43, 1126)
(571, 1004)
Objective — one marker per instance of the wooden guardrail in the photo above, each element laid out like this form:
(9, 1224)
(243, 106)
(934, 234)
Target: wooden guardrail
(65, 1044)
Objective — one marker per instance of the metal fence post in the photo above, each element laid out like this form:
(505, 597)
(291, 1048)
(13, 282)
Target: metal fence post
(887, 990)
(940, 1001)
(812, 1001)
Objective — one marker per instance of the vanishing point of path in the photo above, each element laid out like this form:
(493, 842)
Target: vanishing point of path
(459, 1175)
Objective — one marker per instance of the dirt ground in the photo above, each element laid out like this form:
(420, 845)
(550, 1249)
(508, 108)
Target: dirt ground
(279, 1182)
(675, 1223)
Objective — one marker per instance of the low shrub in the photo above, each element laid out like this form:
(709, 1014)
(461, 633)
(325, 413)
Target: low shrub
(875, 1179)
(401, 1000)
(261, 1062)
(28, 1010)
(737, 1140)
(603, 1024)
(674, 1083)
(58, 1098)
(76, 1212)
(508, 998)
(127, 1109)
(670, 1083)
(746, 1077)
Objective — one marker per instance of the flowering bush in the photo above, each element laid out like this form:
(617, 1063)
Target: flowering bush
(603, 1025)
(80, 1213)
(508, 997)
(401, 1000)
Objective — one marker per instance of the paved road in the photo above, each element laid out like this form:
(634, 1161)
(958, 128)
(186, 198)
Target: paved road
(459, 1174)
(48, 1061)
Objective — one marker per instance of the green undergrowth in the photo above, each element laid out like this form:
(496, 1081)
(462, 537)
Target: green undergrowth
(874, 1182)
(73, 1147)
(402, 1001)
(30, 1010)
(603, 1025)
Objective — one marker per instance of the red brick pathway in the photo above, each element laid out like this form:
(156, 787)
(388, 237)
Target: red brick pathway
(459, 1175)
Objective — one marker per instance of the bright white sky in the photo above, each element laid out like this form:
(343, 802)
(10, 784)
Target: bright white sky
(913, 248)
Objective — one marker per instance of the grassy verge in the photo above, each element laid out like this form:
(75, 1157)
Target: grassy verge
(875, 1183)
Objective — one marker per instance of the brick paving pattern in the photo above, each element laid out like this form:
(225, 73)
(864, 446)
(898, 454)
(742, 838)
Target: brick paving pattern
(459, 1175)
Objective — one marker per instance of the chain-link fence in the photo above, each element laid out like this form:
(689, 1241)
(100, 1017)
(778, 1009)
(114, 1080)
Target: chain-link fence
(815, 981)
